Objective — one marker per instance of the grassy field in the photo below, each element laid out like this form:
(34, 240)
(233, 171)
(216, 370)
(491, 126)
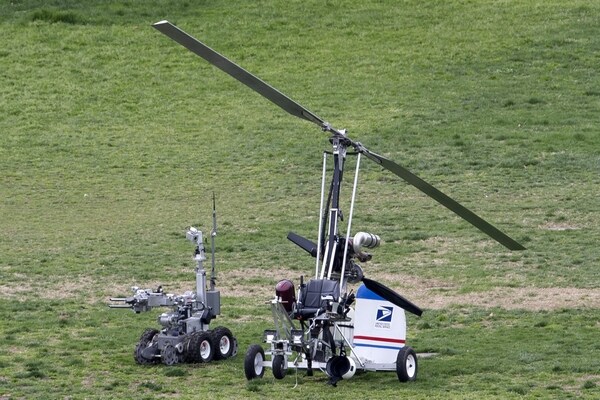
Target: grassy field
(113, 139)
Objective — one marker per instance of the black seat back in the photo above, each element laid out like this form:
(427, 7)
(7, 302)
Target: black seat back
(311, 296)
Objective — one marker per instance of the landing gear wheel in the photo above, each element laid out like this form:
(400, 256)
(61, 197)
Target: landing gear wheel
(168, 355)
(253, 363)
(199, 348)
(223, 343)
(145, 341)
(279, 366)
(406, 364)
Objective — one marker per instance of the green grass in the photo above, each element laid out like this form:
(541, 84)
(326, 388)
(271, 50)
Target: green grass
(113, 139)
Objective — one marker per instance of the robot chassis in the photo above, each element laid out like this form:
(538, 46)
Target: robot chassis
(185, 335)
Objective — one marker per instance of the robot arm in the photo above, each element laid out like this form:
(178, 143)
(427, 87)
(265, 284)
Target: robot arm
(144, 300)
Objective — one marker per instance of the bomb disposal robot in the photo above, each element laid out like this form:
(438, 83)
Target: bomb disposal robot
(185, 335)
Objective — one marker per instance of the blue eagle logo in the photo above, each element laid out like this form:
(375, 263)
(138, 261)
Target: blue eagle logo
(384, 314)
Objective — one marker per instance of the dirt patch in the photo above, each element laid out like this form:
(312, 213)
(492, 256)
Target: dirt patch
(532, 299)
(437, 294)
(253, 284)
(558, 226)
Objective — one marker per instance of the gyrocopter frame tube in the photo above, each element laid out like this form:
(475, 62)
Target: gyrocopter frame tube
(339, 156)
(330, 254)
(320, 236)
(342, 278)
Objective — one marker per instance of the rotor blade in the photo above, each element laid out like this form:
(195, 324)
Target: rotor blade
(307, 245)
(391, 296)
(443, 199)
(237, 72)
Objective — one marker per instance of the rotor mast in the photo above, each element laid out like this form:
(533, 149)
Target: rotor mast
(335, 214)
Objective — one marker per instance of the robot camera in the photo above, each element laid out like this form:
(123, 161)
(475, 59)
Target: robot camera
(193, 235)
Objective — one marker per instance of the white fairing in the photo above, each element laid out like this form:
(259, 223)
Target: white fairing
(351, 370)
(379, 328)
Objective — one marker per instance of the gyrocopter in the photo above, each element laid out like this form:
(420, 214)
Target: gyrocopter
(325, 325)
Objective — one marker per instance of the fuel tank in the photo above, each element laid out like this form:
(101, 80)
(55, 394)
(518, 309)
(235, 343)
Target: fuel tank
(286, 291)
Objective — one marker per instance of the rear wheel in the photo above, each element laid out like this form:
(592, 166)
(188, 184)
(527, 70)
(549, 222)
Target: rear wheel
(406, 364)
(279, 366)
(253, 362)
(223, 343)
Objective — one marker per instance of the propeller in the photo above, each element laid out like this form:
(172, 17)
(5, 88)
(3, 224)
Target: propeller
(391, 296)
(305, 244)
(441, 198)
(239, 73)
(299, 111)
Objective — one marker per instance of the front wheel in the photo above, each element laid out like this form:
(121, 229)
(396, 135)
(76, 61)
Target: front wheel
(253, 362)
(199, 348)
(141, 350)
(207, 350)
(279, 366)
(223, 342)
(406, 364)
